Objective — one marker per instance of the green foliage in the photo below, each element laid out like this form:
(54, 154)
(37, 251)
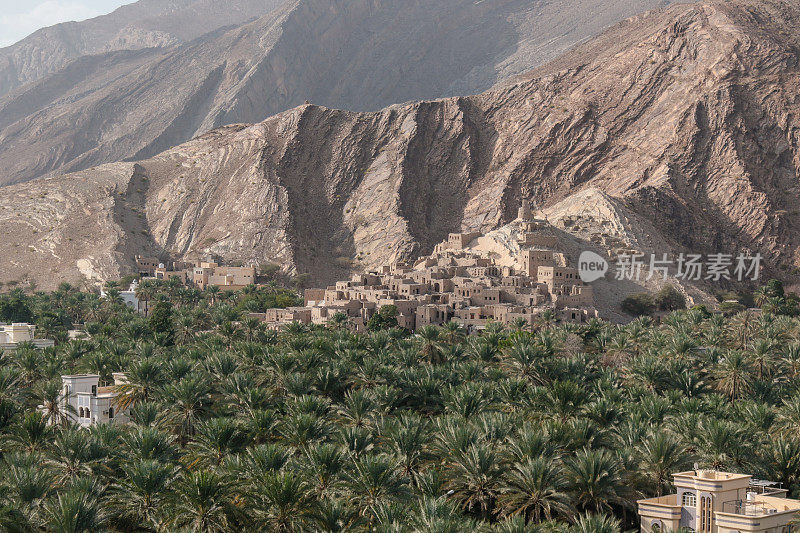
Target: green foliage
(317, 428)
(639, 304)
(731, 308)
(259, 299)
(773, 299)
(160, 320)
(643, 304)
(385, 318)
(669, 299)
(14, 307)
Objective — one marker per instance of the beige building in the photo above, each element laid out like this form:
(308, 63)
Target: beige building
(11, 335)
(708, 501)
(457, 241)
(226, 277)
(146, 266)
(91, 403)
(202, 274)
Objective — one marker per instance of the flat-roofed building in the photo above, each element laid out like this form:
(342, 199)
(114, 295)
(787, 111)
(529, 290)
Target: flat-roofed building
(12, 335)
(558, 276)
(226, 277)
(457, 241)
(92, 404)
(535, 258)
(709, 501)
(146, 266)
(281, 317)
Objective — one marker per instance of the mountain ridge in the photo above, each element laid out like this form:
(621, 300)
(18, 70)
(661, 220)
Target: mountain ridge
(142, 24)
(687, 127)
(360, 55)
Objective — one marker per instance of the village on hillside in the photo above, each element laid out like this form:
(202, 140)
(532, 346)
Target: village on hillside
(455, 283)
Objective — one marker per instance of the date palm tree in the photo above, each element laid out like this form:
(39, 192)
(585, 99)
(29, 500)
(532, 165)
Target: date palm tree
(762, 356)
(280, 502)
(149, 444)
(215, 440)
(429, 344)
(141, 378)
(733, 375)
(324, 464)
(595, 481)
(74, 511)
(142, 493)
(659, 455)
(146, 291)
(723, 444)
(28, 483)
(29, 362)
(31, 433)
(475, 479)
(203, 503)
(74, 453)
(409, 440)
(523, 360)
(596, 523)
(452, 332)
(57, 409)
(333, 516)
(789, 415)
(372, 481)
(535, 489)
(188, 402)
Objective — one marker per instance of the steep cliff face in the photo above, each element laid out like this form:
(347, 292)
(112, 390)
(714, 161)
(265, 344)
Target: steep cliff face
(684, 119)
(152, 85)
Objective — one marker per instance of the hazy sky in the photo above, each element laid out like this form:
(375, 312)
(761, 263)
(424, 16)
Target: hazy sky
(19, 18)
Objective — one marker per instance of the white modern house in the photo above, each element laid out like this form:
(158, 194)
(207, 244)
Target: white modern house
(128, 297)
(11, 335)
(93, 404)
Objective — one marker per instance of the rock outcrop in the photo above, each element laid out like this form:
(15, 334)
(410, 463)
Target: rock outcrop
(684, 120)
(129, 86)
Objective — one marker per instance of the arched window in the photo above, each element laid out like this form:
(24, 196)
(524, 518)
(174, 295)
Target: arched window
(689, 499)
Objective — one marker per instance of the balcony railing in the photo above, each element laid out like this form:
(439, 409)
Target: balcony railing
(746, 508)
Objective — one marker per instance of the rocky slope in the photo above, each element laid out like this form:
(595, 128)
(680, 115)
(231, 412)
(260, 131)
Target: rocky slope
(134, 89)
(143, 24)
(683, 122)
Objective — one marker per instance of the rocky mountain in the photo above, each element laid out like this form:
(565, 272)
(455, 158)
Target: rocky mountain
(143, 24)
(672, 131)
(143, 79)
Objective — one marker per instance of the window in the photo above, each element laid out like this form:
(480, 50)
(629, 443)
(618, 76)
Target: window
(110, 412)
(94, 390)
(689, 499)
(705, 513)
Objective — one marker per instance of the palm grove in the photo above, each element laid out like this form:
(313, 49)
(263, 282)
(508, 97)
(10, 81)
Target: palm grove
(319, 429)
